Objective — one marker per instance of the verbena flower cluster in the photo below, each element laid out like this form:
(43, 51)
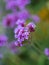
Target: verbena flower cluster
(22, 31)
(17, 21)
(16, 4)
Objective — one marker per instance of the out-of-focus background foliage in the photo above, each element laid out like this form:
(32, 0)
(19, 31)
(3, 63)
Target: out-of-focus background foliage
(31, 54)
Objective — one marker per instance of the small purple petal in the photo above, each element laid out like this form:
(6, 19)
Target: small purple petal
(3, 40)
(20, 22)
(22, 3)
(11, 5)
(24, 14)
(35, 18)
(31, 26)
(46, 51)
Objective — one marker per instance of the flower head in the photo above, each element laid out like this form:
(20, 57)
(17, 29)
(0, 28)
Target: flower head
(9, 20)
(17, 44)
(46, 51)
(22, 3)
(24, 14)
(22, 32)
(11, 5)
(14, 4)
(3, 40)
(31, 27)
(35, 18)
(20, 22)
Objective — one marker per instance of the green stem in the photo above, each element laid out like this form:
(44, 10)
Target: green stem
(38, 49)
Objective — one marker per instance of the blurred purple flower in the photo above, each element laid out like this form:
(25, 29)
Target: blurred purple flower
(21, 33)
(3, 40)
(11, 5)
(22, 3)
(20, 22)
(17, 29)
(17, 44)
(35, 18)
(9, 20)
(24, 14)
(31, 26)
(46, 51)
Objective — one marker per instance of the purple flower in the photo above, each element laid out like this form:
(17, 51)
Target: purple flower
(17, 29)
(26, 35)
(9, 20)
(22, 3)
(21, 34)
(3, 40)
(35, 18)
(20, 22)
(31, 26)
(17, 44)
(11, 5)
(24, 14)
(46, 51)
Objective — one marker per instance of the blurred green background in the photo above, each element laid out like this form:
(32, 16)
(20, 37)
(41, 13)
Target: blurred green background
(32, 54)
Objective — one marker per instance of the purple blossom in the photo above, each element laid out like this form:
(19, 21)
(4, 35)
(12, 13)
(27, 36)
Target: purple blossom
(46, 51)
(31, 26)
(22, 31)
(20, 22)
(3, 40)
(22, 3)
(17, 29)
(26, 35)
(35, 18)
(9, 20)
(11, 5)
(21, 34)
(24, 14)
(17, 44)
